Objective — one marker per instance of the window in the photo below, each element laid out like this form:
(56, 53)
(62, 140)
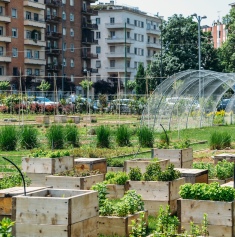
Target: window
(112, 33)
(128, 20)
(128, 35)
(36, 54)
(71, 2)
(13, 13)
(112, 63)
(112, 49)
(64, 46)
(64, 31)
(142, 24)
(135, 51)
(1, 51)
(71, 63)
(1, 30)
(1, 10)
(15, 71)
(54, 12)
(72, 47)
(28, 15)
(84, 6)
(37, 72)
(112, 20)
(63, 15)
(72, 78)
(128, 49)
(98, 63)
(35, 17)
(14, 52)
(128, 63)
(1, 71)
(148, 39)
(98, 49)
(14, 33)
(142, 52)
(135, 22)
(28, 53)
(29, 71)
(154, 40)
(71, 17)
(71, 32)
(135, 36)
(97, 20)
(97, 35)
(142, 38)
(64, 1)
(54, 28)
(135, 64)
(64, 62)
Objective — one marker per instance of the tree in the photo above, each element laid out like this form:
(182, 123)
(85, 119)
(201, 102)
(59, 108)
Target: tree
(22, 83)
(4, 85)
(86, 84)
(102, 87)
(131, 85)
(140, 80)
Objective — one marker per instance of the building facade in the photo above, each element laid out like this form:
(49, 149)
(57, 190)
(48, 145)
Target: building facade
(126, 37)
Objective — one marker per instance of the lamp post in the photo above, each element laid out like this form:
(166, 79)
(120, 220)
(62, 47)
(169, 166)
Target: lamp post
(199, 19)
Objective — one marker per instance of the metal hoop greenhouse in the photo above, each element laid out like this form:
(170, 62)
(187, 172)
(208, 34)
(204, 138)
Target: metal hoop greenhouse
(189, 99)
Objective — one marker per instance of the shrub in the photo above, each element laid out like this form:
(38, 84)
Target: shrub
(8, 138)
(135, 174)
(28, 137)
(220, 140)
(145, 136)
(119, 178)
(103, 136)
(55, 136)
(123, 135)
(13, 180)
(224, 169)
(71, 135)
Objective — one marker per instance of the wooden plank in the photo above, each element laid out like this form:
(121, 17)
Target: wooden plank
(89, 181)
(175, 188)
(37, 180)
(5, 206)
(115, 169)
(81, 164)
(143, 163)
(115, 191)
(220, 181)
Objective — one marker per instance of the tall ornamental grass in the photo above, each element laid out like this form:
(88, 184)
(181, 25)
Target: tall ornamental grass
(71, 135)
(220, 140)
(145, 136)
(55, 136)
(123, 135)
(8, 138)
(103, 135)
(28, 137)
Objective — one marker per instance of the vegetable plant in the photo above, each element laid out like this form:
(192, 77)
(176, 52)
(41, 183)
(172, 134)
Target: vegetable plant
(8, 138)
(145, 136)
(119, 178)
(6, 225)
(123, 135)
(28, 137)
(103, 136)
(55, 136)
(135, 174)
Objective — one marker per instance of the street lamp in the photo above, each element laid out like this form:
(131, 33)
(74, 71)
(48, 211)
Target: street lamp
(199, 19)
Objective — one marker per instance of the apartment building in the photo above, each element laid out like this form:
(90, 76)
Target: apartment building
(46, 38)
(126, 37)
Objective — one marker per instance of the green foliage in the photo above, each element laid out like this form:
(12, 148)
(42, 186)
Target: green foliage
(135, 174)
(102, 192)
(123, 136)
(103, 136)
(4, 85)
(71, 135)
(138, 227)
(206, 166)
(76, 173)
(44, 86)
(55, 136)
(85, 84)
(49, 154)
(107, 208)
(6, 225)
(224, 169)
(140, 81)
(152, 172)
(8, 138)
(13, 180)
(169, 174)
(145, 136)
(28, 137)
(202, 191)
(119, 178)
(115, 162)
(220, 140)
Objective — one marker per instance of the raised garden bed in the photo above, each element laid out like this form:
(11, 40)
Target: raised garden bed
(60, 118)
(224, 156)
(43, 119)
(74, 119)
(115, 169)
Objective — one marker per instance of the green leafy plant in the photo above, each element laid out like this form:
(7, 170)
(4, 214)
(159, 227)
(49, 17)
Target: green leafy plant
(135, 174)
(8, 138)
(6, 225)
(123, 135)
(71, 135)
(119, 178)
(145, 136)
(50, 154)
(224, 169)
(103, 136)
(220, 140)
(207, 166)
(13, 180)
(138, 227)
(102, 192)
(28, 137)
(55, 136)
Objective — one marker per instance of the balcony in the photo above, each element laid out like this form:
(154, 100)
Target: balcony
(53, 35)
(35, 42)
(5, 39)
(119, 55)
(4, 58)
(90, 12)
(91, 70)
(116, 40)
(53, 19)
(89, 55)
(35, 23)
(31, 3)
(119, 26)
(153, 32)
(89, 41)
(35, 61)
(4, 18)
(53, 67)
(153, 45)
(53, 3)
(7, 1)
(119, 69)
(89, 26)
(53, 51)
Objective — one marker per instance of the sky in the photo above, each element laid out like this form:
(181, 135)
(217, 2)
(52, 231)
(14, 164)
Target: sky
(213, 9)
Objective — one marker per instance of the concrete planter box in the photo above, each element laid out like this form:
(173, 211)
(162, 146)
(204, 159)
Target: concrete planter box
(43, 119)
(56, 212)
(60, 118)
(38, 168)
(143, 163)
(75, 119)
(157, 193)
(117, 226)
(221, 215)
(180, 158)
(80, 183)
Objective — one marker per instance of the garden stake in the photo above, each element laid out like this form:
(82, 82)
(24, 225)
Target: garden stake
(22, 176)
(233, 175)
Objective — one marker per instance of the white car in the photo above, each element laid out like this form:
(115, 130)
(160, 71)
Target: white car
(42, 101)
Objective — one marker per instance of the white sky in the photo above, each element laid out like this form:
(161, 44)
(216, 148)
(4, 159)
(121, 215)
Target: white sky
(213, 9)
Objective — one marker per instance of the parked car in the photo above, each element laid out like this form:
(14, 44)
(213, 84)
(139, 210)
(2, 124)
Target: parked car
(41, 100)
(223, 104)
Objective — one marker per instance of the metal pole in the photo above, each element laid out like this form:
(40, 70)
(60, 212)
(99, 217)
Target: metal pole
(199, 53)
(62, 53)
(161, 53)
(125, 62)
